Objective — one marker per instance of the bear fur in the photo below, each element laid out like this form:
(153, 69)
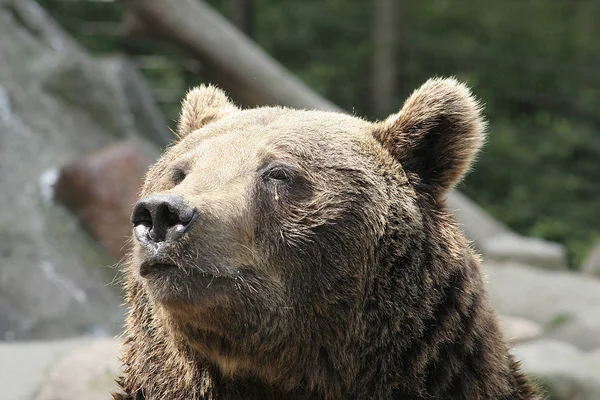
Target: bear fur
(323, 264)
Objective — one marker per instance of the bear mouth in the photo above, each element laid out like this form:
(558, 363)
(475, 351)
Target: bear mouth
(171, 283)
(157, 268)
(153, 267)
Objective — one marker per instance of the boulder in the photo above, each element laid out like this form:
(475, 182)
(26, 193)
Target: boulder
(24, 366)
(477, 224)
(497, 242)
(565, 304)
(137, 101)
(55, 280)
(518, 330)
(71, 369)
(591, 264)
(595, 354)
(88, 372)
(112, 91)
(525, 250)
(80, 81)
(101, 188)
(562, 370)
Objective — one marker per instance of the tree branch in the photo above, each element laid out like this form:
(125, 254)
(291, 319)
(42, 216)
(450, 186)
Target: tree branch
(237, 63)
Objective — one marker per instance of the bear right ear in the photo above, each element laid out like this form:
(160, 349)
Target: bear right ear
(436, 135)
(202, 105)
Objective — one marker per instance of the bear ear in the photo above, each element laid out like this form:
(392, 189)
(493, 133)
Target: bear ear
(201, 106)
(436, 135)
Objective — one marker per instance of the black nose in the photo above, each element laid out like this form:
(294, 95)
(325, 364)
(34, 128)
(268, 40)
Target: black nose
(161, 218)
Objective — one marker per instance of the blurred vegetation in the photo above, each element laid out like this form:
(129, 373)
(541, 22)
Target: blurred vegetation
(534, 63)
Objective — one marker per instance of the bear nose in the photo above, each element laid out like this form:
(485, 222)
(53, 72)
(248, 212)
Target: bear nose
(161, 218)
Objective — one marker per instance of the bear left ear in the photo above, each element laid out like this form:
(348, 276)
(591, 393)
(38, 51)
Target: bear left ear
(436, 135)
(202, 105)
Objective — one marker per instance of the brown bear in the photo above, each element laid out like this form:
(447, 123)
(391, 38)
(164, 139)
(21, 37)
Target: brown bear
(293, 254)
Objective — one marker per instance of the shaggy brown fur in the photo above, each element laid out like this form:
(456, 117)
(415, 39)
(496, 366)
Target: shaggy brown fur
(323, 263)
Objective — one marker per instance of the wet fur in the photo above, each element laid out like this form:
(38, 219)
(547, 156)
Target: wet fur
(360, 283)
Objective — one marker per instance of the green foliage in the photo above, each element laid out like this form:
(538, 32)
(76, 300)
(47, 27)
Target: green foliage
(325, 43)
(559, 320)
(535, 64)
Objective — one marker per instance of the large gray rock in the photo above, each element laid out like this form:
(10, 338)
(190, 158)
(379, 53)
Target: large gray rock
(526, 250)
(565, 304)
(518, 330)
(54, 280)
(497, 242)
(112, 92)
(564, 372)
(136, 100)
(25, 366)
(71, 369)
(591, 264)
(88, 372)
(477, 224)
(101, 189)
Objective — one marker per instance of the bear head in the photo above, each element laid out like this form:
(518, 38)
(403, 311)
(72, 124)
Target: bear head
(289, 246)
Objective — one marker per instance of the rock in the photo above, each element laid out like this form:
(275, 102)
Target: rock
(24, 366)
(82, 82)
(88, 372)
(526, 250)
(565, 304)
(476, 223)
(498, 242)
(562, 370)
(112, 91)
(33, 19)
(517, 330)
(53, 277)
(101, 188)
(594, 356)
(129, 86)
(591, 264)
(70, 369)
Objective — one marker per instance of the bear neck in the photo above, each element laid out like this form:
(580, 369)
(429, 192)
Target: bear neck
(434, 334)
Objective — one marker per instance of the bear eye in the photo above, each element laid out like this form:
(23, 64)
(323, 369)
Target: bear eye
(177, 176)
(278, 173)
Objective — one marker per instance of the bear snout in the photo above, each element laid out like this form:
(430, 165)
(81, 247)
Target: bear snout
(161, 218)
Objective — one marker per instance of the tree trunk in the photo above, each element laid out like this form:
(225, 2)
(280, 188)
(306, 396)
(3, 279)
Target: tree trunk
(384, 36)
(243, 16)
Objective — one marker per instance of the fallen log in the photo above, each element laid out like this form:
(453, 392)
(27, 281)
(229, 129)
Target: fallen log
(237, 64)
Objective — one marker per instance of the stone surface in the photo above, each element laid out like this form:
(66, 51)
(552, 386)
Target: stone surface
(526, 250)
(101, 188)
(112, 91)
(565, 304)
(24, 366)
(591, 264)
(88, 372)
(137, 101)
(594, 356)
(517, 330)
(497, 242)
(81, 82)
(55, 280)
(476, 223)
(561, 369)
